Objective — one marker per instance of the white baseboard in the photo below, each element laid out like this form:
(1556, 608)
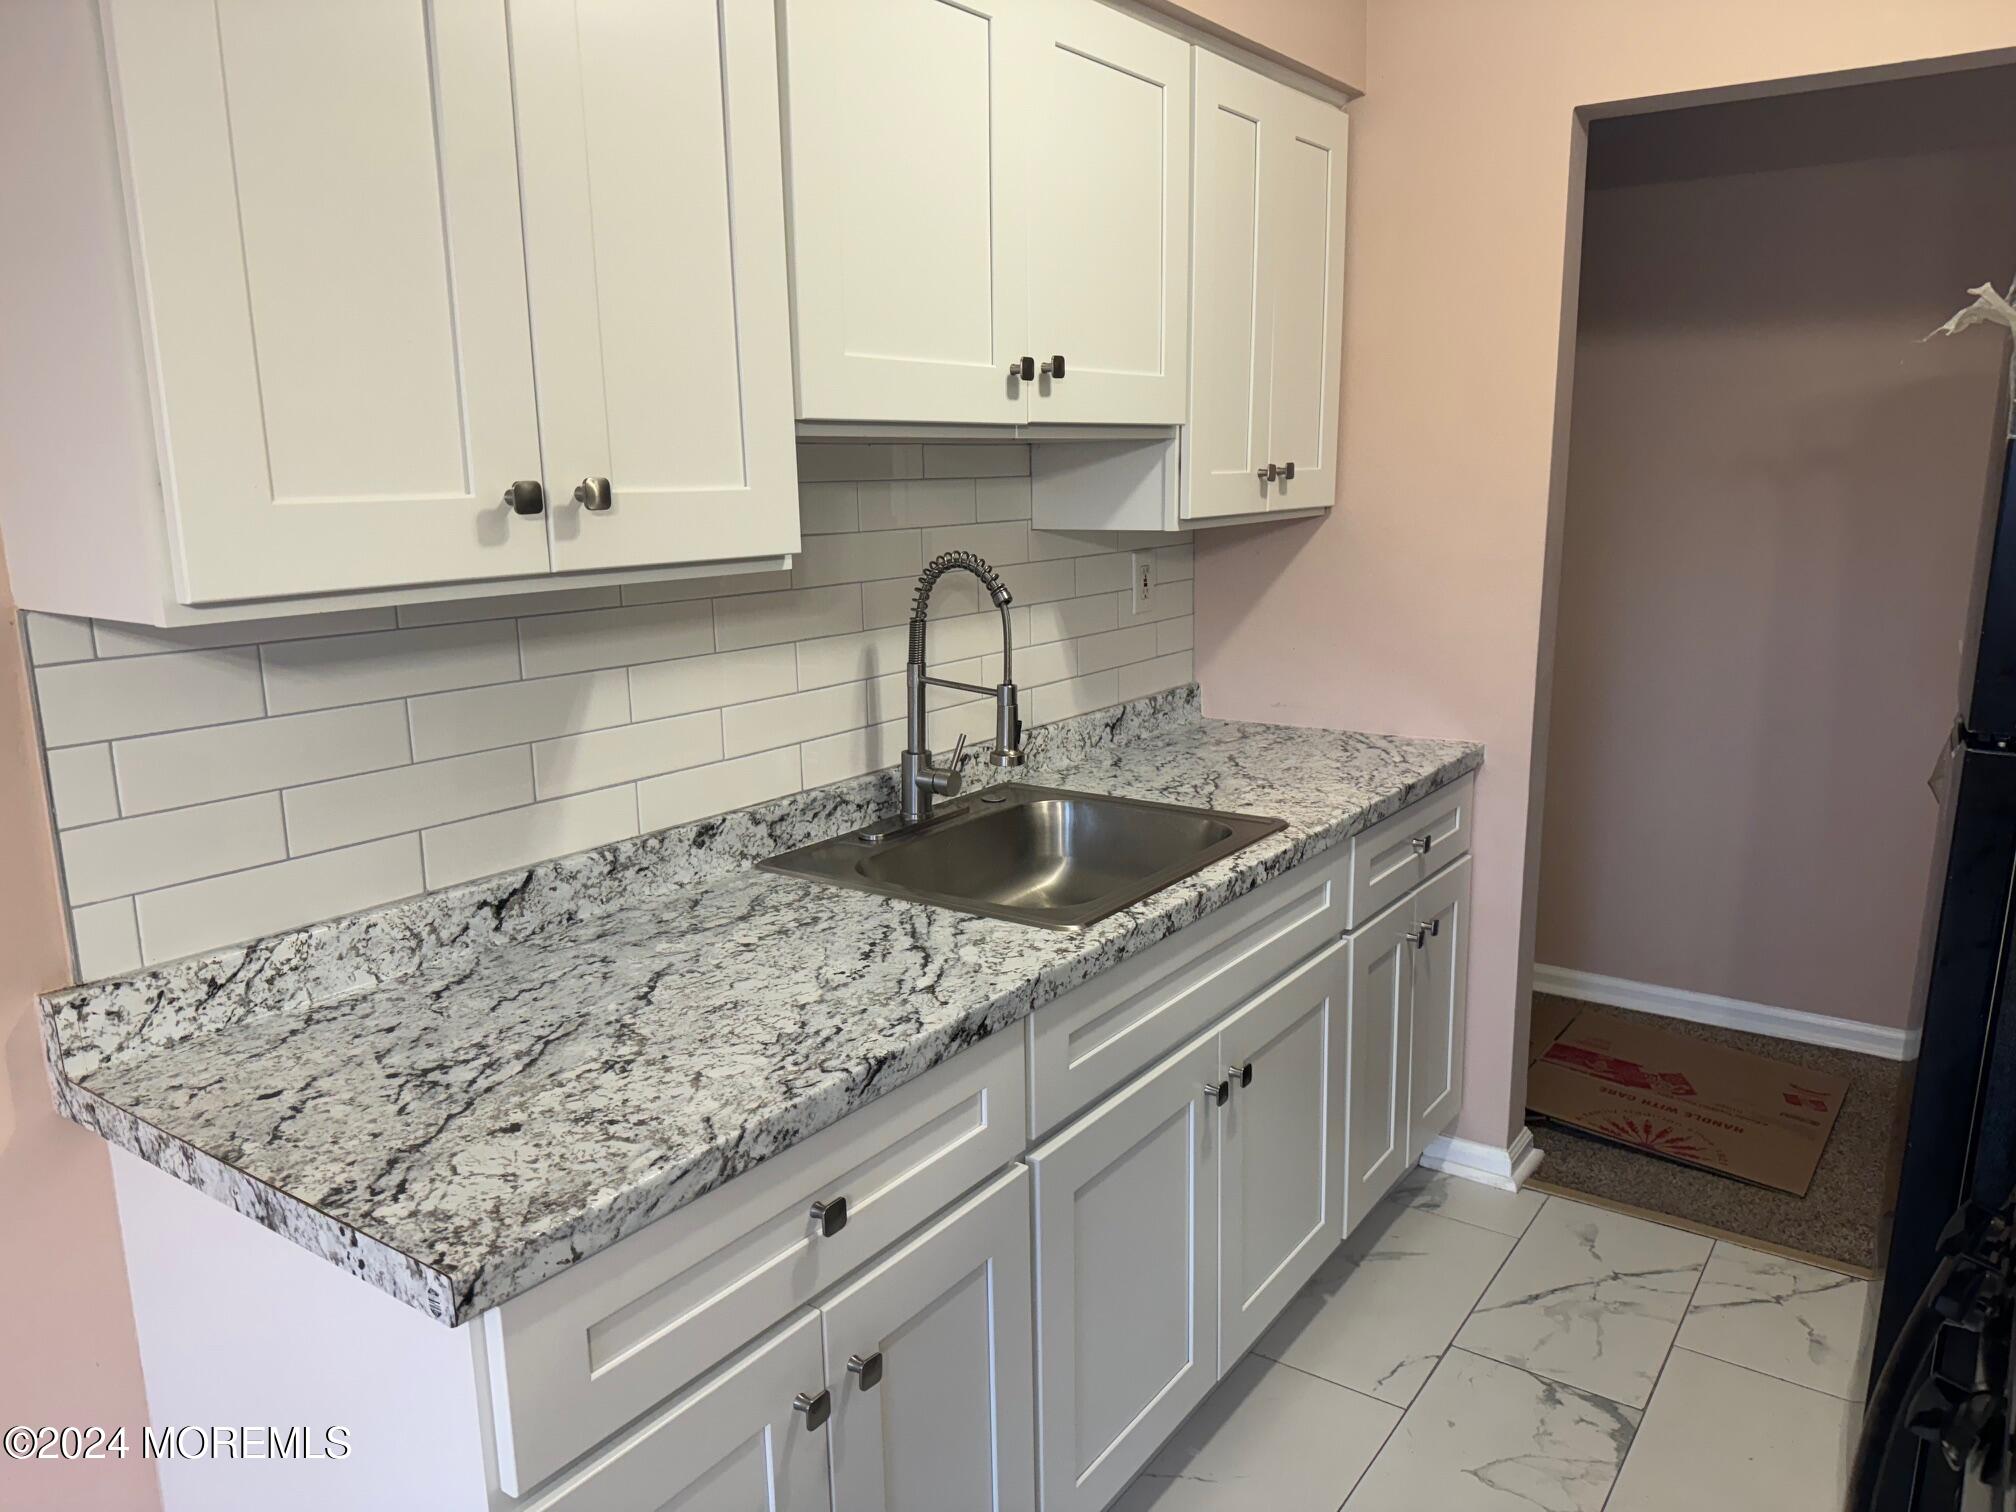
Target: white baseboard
(1505, 1168)
(1728, 1013)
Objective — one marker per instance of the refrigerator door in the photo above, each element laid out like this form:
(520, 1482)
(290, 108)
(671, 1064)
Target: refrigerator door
(1959, 1138)
(1988, 663)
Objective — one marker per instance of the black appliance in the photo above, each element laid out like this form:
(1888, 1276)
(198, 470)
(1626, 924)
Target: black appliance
(1932, 1441)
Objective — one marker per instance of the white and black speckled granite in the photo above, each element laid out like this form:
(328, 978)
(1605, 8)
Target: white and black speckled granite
(458, 1097)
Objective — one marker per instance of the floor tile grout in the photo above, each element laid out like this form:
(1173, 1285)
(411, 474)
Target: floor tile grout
(1665, 1360)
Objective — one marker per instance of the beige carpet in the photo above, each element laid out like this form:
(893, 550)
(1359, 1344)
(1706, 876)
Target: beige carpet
(1838, 1217)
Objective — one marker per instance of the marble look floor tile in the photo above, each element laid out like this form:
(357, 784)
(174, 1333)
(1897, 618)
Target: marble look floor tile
(1798, 1322)
(1589, 1298)
(1469, 1202)
(1269, 1436)
(1380, 1312)
(1717, 1435)
(1485, 1437)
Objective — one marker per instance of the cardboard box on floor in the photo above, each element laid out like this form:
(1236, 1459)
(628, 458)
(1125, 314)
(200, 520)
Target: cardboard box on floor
(1702, 1104)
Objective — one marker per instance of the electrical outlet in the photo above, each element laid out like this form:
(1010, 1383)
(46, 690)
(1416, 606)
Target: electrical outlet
(1143, 564)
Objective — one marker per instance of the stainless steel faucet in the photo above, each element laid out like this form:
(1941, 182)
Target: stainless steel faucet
(922, 780)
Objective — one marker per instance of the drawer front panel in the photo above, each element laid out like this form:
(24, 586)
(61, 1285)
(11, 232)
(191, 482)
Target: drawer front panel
(573, 1360)
(734, 1440)
(1091, 1040)
(1396, 855)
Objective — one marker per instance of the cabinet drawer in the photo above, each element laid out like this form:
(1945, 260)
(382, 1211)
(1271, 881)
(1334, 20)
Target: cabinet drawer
(573, 1360)
(736, 1433)
(1092, 1039)
(1396, 855)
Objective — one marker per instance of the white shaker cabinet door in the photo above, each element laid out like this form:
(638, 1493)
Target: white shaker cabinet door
(1106, 121)
(326, 218)
(1281, 1162)
(1441, 991)
(909, 231)
(931, 1361)
(740, 1440)
(1231, 326)
(1304, 198)
(1375, 1151)
(1126, 1278)
(654, 208)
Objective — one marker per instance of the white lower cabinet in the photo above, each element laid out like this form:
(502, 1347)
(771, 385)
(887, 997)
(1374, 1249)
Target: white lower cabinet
(928, 1360)
(1281, 1161)
(1127, 1287)
(751, 1437)
(1409, 985)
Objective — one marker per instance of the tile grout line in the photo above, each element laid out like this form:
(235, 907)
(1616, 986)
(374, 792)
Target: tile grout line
(1447, 1349)
(1664, 1360)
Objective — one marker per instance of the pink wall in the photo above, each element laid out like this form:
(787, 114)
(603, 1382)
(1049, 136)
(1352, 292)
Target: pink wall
(1422, 603)
(1774, 489)
(67, 1349)
(1325, 37)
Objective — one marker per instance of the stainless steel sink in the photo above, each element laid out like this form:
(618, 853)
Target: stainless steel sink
(1032, 855)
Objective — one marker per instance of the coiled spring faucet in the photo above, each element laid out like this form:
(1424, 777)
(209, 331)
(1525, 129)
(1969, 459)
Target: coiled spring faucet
(922, 780)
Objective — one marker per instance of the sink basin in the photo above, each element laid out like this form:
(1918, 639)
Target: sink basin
(1032, 855)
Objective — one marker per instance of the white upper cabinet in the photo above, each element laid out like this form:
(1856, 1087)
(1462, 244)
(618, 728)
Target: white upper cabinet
(1266, 309)
(974, 184)
(325, 205)
(422, 298)
(1106, 117)
(909, 234)
(656, 262)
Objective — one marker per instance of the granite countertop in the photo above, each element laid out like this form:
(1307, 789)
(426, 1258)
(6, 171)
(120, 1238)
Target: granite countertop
(458, 1097)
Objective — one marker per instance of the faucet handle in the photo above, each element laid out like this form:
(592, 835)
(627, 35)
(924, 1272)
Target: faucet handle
(958, 755)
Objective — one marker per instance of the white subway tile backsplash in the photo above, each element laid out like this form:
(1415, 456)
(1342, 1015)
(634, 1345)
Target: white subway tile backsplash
(898, 506)
(179, 921)
(103, 700)
(560, 643)
(1116, 648)
(354, 669)
(518, 837)
(1001, 544)
(1001, 499)
(1142, 678)
(81, 788)
(1103, 574)
(1072, 617)
(442, 742)
(578, 763)
(56, 638)
(707, 682)
(156, 850)
(510, 606)
(830, 559)
(805, 716)
(988, 461)
(108, 939)
(197, 766)
(718, 788)
(828, 508)
(854, 461)
(765, 619)
(1040, 582)
(328, 815)
(1078, 695)
(146, 640)
(888, 603)
(449, 724)
(1175, 563)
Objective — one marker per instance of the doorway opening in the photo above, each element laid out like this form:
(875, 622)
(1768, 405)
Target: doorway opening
(1773, 507)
